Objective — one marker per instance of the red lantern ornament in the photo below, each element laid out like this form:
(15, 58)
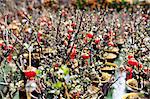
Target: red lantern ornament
(89, 35)
(133, 63)
(85, 56)
(30, 74)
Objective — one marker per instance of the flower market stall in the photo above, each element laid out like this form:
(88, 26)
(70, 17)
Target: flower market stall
(74, 49)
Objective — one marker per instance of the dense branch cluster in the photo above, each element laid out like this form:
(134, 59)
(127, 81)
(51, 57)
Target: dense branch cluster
(68, 49)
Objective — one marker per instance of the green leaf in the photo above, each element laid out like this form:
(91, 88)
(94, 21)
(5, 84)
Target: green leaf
(65, 70)
(57, 85)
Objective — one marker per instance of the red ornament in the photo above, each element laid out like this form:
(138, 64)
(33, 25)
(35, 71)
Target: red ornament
(9, 58)
(97, 40)
(110, 44)
(56, 65)
(39, 36)
(130, 71)
(140, 65)
(70, 30)
(146, 70)
(9, 47)
(69, 36)
(64, 13)
(65, 43)
(30, 74)
(85, 56)
(73, 53)
(89, 35)
(73, 25)
(133, 63)
(130, 56)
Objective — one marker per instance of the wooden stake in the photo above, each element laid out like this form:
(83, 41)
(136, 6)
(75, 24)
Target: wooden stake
(29, 58)
(28, 95)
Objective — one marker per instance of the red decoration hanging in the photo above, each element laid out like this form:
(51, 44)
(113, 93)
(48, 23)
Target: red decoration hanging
(130, 56)
(97, 40)
(9, 58)
(73, 24)
(70, 30)
(110, 44)
(133, 62)
(30, 74)
(73, 53)
(89, 35)
(130, 71)
(85, 56)
(69, 36)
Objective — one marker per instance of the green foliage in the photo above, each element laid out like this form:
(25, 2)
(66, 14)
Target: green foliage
(57, 85)
(65, 69)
